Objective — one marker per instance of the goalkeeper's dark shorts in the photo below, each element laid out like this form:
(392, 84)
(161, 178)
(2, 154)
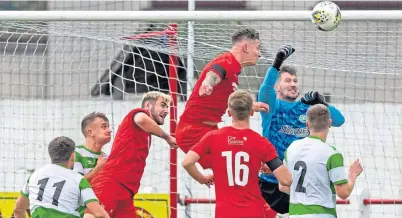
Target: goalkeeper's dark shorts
(277, 200)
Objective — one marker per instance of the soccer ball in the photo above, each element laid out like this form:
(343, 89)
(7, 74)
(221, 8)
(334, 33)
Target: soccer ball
(326, 16)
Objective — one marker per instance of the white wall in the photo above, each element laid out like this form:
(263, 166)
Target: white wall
(372, 132)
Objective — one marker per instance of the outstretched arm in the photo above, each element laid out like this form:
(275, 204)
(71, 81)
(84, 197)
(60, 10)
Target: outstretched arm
(337, 118)
(149, 125)
(313, 97)
(267, 92)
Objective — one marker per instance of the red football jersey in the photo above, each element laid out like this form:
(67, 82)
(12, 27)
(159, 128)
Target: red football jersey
(237, 155)
(212, 107)
(130, 149)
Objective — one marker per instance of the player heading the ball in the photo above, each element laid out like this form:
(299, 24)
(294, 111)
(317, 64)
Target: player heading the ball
(218, 79)
(237, 153)
(317, 170)
(55, 190)
(119, 180)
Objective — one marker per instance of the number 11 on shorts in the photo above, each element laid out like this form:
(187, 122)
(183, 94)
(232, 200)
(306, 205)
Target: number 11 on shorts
(239, 168)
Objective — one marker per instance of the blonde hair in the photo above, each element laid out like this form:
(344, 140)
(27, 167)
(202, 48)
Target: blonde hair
(153, 96)
(241, 104)
(318, 116)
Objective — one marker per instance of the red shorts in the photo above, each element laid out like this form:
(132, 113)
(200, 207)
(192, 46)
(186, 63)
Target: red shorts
(187, 135)
(114, 197)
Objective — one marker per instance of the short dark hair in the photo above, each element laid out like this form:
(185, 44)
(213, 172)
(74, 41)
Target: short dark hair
(248, 33)
(88, 119)
(60, 149)
(288, 69)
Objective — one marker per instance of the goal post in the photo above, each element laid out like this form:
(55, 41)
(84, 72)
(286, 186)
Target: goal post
(46, 82)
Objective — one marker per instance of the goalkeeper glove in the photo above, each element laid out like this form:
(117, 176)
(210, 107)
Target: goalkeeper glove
(283, 53)
(312, 98)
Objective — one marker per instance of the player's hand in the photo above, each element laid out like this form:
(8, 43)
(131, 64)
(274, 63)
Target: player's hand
(355, 169)
(101, 161)
(172, 142)
(312, 98)
(208, 180)
(281, 55)
(205, 89)
(260, 106)
(265, 169)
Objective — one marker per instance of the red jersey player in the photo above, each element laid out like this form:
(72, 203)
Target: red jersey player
(119, 180)
(217, 81)
(237, 153)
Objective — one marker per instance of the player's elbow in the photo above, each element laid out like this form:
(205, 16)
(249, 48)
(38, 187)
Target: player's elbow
(342, 191)
(339, 122)
(186, 163)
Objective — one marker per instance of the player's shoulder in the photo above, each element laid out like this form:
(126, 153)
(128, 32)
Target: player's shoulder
(53, 170)
(224, 57)
(302, 144)
(79, 150)
(138, 110)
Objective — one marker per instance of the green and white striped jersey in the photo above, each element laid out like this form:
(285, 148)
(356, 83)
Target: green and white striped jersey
(57, 192)
(315, 167)
(85, 160)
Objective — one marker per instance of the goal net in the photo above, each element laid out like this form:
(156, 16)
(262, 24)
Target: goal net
(53, 73)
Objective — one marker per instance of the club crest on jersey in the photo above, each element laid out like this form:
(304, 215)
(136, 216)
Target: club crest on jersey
(233, 141)
(303, 118)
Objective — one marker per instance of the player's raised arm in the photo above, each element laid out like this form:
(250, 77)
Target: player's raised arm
(149, 125)
(314, 97)
(157, 105)
(343, 186)
(267, 93)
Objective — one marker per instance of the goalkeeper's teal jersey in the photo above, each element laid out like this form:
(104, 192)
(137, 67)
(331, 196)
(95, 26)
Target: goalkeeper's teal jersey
(286, 121)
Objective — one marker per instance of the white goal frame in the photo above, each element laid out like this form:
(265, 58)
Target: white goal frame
(350, 15)
(171, 16)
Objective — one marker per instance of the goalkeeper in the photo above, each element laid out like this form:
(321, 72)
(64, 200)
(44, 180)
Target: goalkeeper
(286, 120)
